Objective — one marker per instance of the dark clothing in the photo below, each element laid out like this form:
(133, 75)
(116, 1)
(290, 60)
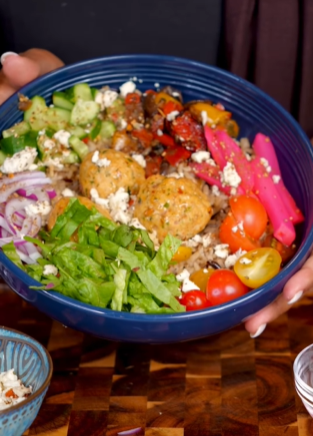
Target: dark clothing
(80, 29)
(269, 42)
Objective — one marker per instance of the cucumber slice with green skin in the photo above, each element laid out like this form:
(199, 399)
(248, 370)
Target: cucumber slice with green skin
(50, 132)
(58, 118)
(84, 112)
(78, 146)
(71, 158)
(36, 114)
(3, 157)
(19, 129)
(94, 92)
(77, 131)
(95, 130)
(60, 99)
(107, 129)
(81, 91)
(14, 144)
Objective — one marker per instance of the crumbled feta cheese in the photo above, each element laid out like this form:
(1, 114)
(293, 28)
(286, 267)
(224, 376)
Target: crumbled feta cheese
(266, 165)
(9, 381)
(204, 117)
(127, 88)
(176, 94)
(159, 132)
(116, 203)
(20, 161)
(50, 269)
(139, 158)
(62, 136)
(134, 222)
(105, 98)
(229, 176)
(157, 85)
(206, 240)
(194, 242)
(96, 198)
(239, 226)
(248, 157)
(232, 258)
(245, 261)
(203, 156)
(48, 144)
(123, 125)
(32, 167)
(187, 285)
(221, 250)
(55, 162)
(42, 208)
(68, 193)
(41, 132)
(172, 115)
(276, 179)
(100, 162)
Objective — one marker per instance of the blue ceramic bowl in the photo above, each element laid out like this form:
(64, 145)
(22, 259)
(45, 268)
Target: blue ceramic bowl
(255, 112)
(33, 365)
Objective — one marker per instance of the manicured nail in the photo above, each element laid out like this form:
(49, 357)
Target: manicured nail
(7, 53)
(259, 331)
(296, 297)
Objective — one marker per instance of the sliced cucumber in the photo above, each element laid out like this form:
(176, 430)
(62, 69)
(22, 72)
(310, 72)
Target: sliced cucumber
(3, 157)
(95, 129)
(58, 118)
(94, 92)
(78, 146)
(71, 158)
(77, 131)
(84, 112)
(14, 144)
(19, 129)
(81, 91)
(36, 114)
(60, 99)
(107, 129)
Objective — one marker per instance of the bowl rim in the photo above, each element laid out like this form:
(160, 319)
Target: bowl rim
(303, 251)
(46, 383)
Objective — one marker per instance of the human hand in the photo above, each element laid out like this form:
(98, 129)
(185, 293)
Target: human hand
(299, 284)
(18, 70)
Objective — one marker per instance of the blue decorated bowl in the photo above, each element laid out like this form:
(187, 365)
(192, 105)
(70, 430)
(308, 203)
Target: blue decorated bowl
(33, 365)
(255, 112)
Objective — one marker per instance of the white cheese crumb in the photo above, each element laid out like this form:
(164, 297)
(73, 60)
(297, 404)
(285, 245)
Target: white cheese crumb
(100, 162)
(123, 125)
(8, 381)
(134, 222)
(48, 144)
(229, 176)
(159, 132)
(245, 261)
(172, 115)
(68, 193)
(20, 161)
(50, 269)
(203, 156)
(105, 98)
(187, 285)
(221, 250)
(265, 163)
(139, 158)
(42, 208)
(276, 179)
(116, 203)
(215, 191)
(56, 162)
(63, 136)
(127, 88)
(157, 85)
(232, 258)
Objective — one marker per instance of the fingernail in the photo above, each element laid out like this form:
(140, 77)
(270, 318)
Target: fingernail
(259, 331)
(7, 53)
(296, 297)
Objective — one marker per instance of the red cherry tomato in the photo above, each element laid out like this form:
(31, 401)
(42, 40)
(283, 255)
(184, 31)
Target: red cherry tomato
(234, 235)
(223, 286)
(194, 300)
(251, 212)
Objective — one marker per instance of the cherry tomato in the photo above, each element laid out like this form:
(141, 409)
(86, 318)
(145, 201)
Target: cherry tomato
(258, 266)
(176, 154)
(201, 277)
(251, 212)
(182, 254)
(194, 300)
(144, 136)
(233, 234)
(132, 98)
(224, 286)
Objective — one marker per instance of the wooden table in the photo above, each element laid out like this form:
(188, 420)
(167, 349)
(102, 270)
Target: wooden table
(225, 385)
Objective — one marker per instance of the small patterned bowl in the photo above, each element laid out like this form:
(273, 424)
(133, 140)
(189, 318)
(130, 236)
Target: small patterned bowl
(303, 372)
(33, 365)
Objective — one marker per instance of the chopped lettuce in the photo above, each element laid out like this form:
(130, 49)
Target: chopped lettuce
(105, 264)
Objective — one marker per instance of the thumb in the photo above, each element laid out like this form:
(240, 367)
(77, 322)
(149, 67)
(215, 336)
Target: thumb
(21, 69)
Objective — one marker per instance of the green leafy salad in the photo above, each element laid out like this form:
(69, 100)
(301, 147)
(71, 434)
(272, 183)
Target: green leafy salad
(94, 260)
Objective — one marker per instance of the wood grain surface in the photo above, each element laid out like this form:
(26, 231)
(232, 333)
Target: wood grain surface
(224, 385)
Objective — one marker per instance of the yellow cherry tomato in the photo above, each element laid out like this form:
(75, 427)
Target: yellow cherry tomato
(182, 254)
(258, 266)
(201, 277)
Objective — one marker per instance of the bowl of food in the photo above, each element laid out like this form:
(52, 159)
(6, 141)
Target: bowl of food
(151, 199)
(25, 374)
(303, 373)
